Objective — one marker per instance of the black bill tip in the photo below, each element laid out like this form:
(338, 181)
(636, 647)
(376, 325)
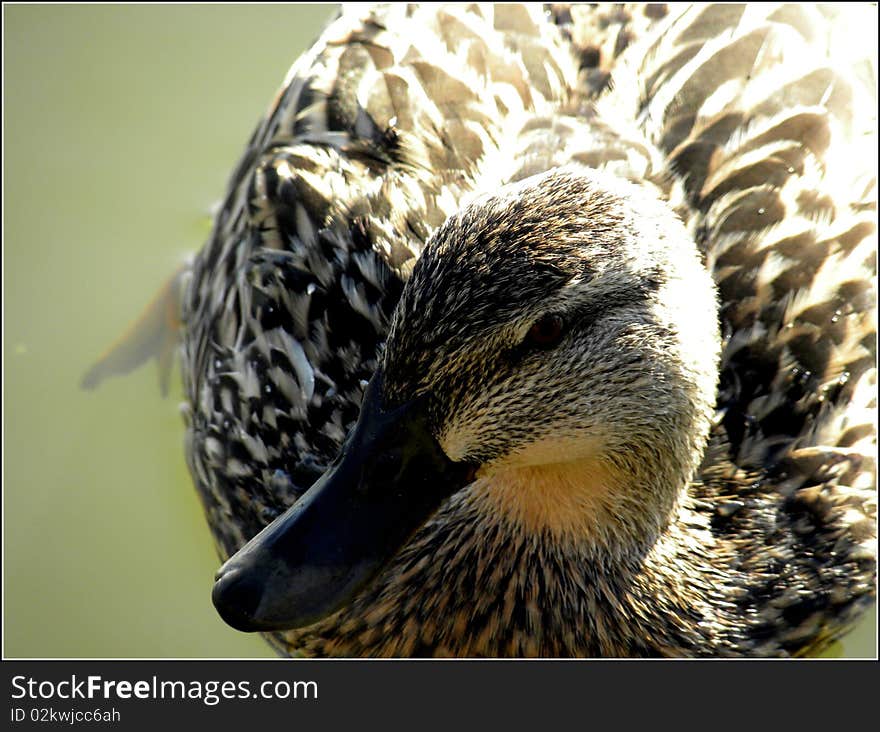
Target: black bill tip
(237, 595)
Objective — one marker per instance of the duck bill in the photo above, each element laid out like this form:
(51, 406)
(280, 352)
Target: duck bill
(390, 477)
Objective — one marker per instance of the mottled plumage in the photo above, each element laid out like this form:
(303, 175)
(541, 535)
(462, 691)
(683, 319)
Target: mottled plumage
(728, 505)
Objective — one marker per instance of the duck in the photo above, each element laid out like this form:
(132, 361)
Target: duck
(541, 331)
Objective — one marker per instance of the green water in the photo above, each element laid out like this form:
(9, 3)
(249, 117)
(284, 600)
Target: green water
(122, 124)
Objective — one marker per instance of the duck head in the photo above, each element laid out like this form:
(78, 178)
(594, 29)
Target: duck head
(554, 354)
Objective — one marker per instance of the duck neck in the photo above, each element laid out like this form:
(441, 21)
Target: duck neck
(589, 504)
(646, 581)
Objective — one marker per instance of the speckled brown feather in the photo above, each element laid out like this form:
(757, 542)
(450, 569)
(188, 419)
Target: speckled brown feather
(380, 132)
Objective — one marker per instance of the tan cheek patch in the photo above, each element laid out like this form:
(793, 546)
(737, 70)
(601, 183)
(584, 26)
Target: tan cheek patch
(569, 499)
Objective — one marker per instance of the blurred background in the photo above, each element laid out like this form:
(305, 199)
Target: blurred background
(122, 124)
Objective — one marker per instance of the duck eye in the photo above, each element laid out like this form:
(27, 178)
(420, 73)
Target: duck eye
(546, 331)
